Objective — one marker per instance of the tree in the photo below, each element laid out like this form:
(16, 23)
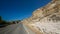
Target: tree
(0, 18)
(2, 21)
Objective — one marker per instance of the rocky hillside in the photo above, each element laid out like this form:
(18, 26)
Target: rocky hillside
(45, 20)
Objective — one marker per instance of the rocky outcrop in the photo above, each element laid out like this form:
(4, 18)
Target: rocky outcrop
(45, 20)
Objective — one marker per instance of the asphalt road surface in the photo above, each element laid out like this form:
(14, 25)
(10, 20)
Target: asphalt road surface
(16, 29)
(13, 29)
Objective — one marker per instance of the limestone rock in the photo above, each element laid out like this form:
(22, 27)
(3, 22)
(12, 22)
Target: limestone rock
(46, 19)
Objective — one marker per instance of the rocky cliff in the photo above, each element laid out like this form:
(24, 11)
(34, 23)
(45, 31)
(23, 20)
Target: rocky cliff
(45, 20)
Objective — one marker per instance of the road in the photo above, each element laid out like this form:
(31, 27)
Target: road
(16, 29)
(13, 29)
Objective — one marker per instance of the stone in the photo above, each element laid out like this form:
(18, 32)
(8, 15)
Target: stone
(45, 20)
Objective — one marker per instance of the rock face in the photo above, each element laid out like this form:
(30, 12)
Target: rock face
(46, 19)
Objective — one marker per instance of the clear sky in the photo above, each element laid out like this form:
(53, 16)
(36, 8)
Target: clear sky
(19, 9)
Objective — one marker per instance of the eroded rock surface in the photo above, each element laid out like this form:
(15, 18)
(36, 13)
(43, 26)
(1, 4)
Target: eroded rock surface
(46, 19)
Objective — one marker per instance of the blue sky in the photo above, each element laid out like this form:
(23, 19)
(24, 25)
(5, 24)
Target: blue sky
(19, 9)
